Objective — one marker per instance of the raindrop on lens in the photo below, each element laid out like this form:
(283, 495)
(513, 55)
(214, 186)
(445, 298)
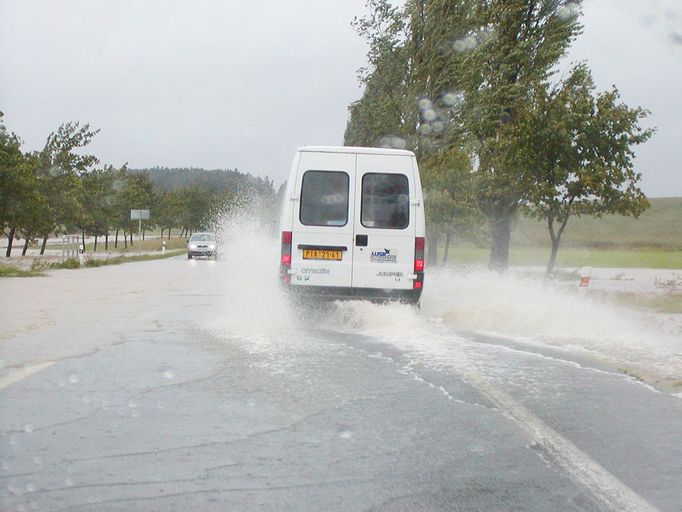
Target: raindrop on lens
(5, 465)
(28, 428)
(74, 379)
(21, 507)
(135, 414)
(430, 115)
(37, 460)
(424, 104)
(30, 487)
(168, 374)
(438, 126)
(450, 99)
(69, 470)
(68, 482)
(425, 129)
(13, 440)
(346, 434)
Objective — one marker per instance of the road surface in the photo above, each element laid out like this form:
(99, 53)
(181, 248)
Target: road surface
(189, 385)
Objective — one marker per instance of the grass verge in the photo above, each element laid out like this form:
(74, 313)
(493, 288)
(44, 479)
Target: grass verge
(575, 257)
(668, 303)
(10, 271)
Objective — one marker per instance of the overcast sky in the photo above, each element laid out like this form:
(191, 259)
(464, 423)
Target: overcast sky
(228, 84)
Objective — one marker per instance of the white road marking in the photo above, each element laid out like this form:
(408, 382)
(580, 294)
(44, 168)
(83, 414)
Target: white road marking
(23, 373)
(606, 488)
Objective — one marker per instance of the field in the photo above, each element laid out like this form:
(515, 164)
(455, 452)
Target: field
(652, 241)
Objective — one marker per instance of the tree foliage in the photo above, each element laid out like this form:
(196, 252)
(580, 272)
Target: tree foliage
(466, 77)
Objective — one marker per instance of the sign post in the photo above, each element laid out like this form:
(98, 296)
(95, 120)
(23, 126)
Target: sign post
(140, 215)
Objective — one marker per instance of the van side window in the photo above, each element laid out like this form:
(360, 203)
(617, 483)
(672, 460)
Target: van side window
(385, 201)
(324, 198)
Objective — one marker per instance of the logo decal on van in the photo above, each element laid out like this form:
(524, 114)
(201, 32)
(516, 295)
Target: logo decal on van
(384, 256)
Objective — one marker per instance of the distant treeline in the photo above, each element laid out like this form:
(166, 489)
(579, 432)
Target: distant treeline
(212, 180)
(61, 190)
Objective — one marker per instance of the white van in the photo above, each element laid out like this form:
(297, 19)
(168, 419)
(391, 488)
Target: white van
(353, 224)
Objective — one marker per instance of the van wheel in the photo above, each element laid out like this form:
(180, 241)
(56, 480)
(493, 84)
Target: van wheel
(189, 256)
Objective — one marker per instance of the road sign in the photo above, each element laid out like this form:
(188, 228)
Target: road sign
(139, 214)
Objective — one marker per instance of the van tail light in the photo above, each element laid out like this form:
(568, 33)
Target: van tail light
(285, 257)
(419, 244)
(419, 254)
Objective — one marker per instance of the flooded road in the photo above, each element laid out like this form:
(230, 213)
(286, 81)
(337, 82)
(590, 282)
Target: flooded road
(191, 385)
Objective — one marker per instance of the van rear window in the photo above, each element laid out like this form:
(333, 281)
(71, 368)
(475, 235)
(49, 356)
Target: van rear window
(385, 201)
(324, 198)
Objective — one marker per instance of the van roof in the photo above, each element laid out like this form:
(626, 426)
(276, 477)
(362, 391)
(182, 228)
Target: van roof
(355, 150)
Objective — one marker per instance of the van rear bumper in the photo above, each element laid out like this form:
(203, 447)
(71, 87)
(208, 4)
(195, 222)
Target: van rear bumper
(329, 293)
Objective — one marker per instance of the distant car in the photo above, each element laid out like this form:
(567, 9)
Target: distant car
(202, 245)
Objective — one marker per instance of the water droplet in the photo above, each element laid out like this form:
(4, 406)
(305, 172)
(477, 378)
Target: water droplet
(568, 10)
(13, 440)
(464, 44)
(28, 428)
(21, 507)
(37, 460)
(160, 405)
(132, 404)
(30, 487)
(68, 482)
(430, 115)
(345, 433)
(451, 99)
(167, 373)
(86, 399)
(424, 104)
(135, 414)
(14, 489)
(425, 129)
(5, 465)
(438, 126)
(115, 423)
(69, 470)
(34, 505)
(74, 379)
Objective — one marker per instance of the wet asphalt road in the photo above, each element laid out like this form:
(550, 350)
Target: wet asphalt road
(134, 388)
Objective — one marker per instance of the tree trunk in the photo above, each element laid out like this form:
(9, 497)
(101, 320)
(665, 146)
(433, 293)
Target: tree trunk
(432, 251)
(500, 231)
(162, 230)
(94, 249)
(116, 240)
(106, 241)
(448, 235)
(23, 251)
(131, 239)
(125, 239)
(144, 231)
(169, 230)
(83, 238)
(555, 238)
(10, 241)
(42, 247)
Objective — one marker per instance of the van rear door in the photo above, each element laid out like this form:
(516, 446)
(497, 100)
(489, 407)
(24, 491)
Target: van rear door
(322, 241)
(385, 222)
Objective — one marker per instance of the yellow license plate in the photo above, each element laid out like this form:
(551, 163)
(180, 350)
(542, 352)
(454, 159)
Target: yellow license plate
(320, 254)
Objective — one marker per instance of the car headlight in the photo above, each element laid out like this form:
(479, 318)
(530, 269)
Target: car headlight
(192, 246)
(211, 246)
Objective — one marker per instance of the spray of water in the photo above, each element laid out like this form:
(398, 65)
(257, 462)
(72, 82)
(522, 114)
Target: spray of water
(455, 304)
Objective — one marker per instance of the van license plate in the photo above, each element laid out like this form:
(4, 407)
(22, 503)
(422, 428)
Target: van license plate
(320, 254)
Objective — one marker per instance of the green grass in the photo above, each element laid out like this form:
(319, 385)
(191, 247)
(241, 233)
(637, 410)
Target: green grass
(10, 271)
(574, 257)
(153, 244)
(667, 303)
(128, 259)
(659, 227)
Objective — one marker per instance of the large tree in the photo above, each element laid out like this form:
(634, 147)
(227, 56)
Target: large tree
(467, 68)
(575, 149)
